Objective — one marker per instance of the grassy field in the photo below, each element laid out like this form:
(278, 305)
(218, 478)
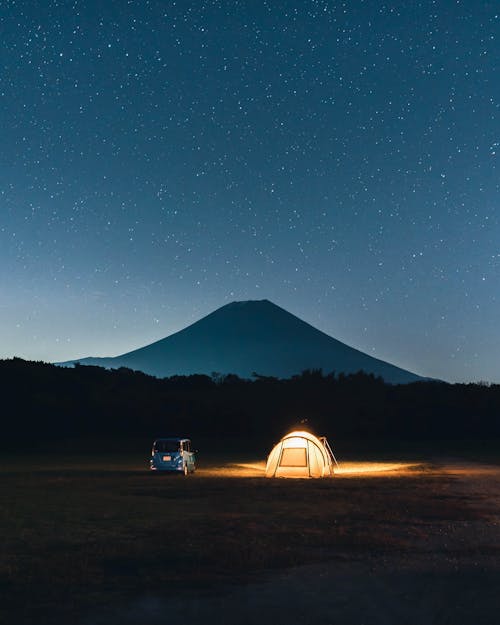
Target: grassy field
(80, 532)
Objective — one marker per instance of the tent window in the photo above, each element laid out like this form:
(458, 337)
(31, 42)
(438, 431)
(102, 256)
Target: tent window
(293, 458)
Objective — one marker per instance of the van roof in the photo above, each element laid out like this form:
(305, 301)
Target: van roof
(172, 438)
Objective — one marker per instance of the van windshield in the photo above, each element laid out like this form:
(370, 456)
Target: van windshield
(163, 446)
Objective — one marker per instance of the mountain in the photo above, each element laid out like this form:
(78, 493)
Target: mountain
(247, 337)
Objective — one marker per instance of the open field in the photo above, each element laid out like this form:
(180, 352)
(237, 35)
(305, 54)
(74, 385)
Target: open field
(97, 539)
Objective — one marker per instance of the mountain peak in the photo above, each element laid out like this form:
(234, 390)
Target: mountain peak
(250, 303)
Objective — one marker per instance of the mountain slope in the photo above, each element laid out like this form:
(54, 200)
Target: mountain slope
(247, 337)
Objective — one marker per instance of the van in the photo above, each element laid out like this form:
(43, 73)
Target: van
(174, 455)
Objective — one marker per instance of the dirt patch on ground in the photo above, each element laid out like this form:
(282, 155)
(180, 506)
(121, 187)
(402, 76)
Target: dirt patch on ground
(447, 573)
(383, 542)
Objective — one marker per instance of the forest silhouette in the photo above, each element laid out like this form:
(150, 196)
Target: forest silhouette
(46, 402)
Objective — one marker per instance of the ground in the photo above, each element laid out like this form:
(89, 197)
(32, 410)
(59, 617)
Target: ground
(98, 539)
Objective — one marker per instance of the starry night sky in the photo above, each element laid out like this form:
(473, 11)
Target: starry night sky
(161, 159)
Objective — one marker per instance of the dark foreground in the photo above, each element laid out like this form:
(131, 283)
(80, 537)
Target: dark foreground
(91, 541)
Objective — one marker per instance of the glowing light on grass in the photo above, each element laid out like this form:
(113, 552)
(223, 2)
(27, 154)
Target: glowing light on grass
(257, 469)
(373, 468)
(253, 466)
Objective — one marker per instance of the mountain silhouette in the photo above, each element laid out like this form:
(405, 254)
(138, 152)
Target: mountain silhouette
(247, 337)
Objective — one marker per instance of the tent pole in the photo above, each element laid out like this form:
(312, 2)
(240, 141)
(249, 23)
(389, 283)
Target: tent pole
(279, 460)
(330, 451)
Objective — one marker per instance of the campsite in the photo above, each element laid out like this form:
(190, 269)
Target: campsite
(406, 533)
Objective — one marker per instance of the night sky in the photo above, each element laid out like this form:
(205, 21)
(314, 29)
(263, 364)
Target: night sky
(161, 159)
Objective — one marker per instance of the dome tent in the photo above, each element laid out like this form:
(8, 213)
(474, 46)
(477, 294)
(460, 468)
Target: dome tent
(300, 454)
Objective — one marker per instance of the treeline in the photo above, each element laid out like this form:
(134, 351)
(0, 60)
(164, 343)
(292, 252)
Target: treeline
(44, 401)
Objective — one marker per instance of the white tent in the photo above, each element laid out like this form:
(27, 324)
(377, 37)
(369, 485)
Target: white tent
(300, 454)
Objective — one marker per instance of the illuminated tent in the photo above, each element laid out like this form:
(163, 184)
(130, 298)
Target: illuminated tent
(300, 454)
